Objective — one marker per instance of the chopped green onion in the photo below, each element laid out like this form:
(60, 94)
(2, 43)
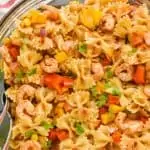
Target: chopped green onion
(93, 91)
(29, 133)
(79, 129)
(47, 125)
(130, 53)
(116, 91)
(102, 100)
(31, 72)
(107, 85)
(82, 48)
(109, 73)
(19, 75)
(112, 89)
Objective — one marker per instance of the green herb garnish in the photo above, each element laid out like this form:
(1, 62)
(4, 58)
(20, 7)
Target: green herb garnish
(93, 91)
(79, 129)
(29, 133)
(19, 75)
(112, 89)
(47, 125)
(82, 48)
(102, 100)
(107, 85)
(109, 73)
(31, 72)
(130, 53)
(116, 91)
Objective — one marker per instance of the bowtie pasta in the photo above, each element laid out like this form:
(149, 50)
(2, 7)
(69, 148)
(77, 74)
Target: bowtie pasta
(79, 77)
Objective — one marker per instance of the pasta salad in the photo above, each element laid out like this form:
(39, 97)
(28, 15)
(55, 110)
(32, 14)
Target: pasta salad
(79, 77)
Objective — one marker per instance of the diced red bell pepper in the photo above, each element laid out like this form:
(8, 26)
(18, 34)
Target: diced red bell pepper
(57, 82)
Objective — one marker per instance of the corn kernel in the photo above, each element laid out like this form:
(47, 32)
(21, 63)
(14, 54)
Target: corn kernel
(100, 87)
(27, 22)
(59, 111)
(37, 17)
(115, 108)
(90, 17)
(34, 137)
(107, 117)
(61, 56)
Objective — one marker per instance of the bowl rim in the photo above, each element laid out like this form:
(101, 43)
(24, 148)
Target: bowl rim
(4, 17)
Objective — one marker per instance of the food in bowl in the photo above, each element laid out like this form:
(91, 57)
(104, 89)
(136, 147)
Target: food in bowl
(79, 77)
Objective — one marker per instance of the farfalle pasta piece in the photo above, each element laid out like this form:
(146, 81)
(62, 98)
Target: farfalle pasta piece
(29, 58)
(84, 83)
(43, 109)
(66, 122)
(126, 142)
(66, 145)
(81, 143)
(89, 116)
(122, 27)
(80, 67)
(68, 19)
(139, 98)
(133, 108)
(37, 44)
(104, 139)
(124, 101)
(78, 99)
(141, 145)
(45, 94)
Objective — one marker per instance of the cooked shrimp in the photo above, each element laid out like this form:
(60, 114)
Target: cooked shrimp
(25, 110)
(51, 12)
(49, 65)
(131, 126)
(108, 22)
(5, 54)
(147, 90)
(147, 38)
(98, 71)
(124, 72)
(30, 145)
(25, 91)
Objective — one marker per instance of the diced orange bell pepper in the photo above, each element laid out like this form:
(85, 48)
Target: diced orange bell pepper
(57, 82)
(116, 136)
(62, 134)
(14, 52)
(113, 99)
(139, 75)
(137, 39)
(52, 135)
